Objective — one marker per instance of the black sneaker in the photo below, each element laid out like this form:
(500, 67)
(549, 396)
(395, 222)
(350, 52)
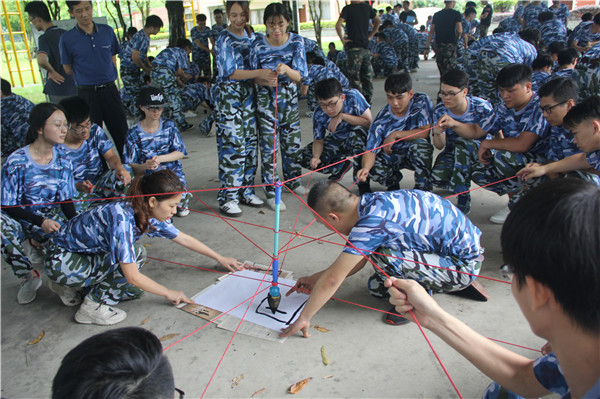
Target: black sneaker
(475, 292)
(394, 318)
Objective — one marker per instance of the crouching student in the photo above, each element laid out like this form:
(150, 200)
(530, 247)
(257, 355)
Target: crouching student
(406, 233)
(550, 241)
(96, 250)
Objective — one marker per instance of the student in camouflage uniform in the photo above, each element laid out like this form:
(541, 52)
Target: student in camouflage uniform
(96, 252)
(408, 117)
(384, 58)
(399, 41)
(216, 28)
(14, 117)
(587, 73)
(412, 52)
(201, 35)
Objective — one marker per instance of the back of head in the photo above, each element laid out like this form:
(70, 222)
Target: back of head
(380, 36)
(387, 24)
(314, 58)
(329, 196)
(499, 29)
(184, 44)
(76, 108)
(153, 21)
(513, 74)
(5, 87)
(545, 16)
(587, 110)
(132, 30)
(398, 83)
(587, 16)
(124, 362)
(531, 36)
(543, 60)
(567, 56)
(555, 47)
(38, 9)
(455, 78)
(560, 89)
(596, 18)
(328, 88)
(552, 235)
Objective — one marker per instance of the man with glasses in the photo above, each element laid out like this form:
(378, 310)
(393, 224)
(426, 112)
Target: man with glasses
(454, 119)
(340, 126)
(90, 151)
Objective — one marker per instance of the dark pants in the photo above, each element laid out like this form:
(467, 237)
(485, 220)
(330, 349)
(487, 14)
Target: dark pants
(106, 107)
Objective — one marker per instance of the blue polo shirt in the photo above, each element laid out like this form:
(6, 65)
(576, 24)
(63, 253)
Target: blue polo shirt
(90, 55)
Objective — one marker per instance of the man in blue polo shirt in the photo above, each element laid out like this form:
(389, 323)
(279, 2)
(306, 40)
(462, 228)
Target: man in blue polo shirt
(87, 52)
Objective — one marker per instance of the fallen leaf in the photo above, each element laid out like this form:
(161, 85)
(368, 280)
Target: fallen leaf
(147, 245)
(257, 392)
(236, 381)
(328, 376)
(262, 212)
(297, 387)
(168, 337)
(320, 242)
(322, 329)
(324, 356)
(38, 339)
(144, 321)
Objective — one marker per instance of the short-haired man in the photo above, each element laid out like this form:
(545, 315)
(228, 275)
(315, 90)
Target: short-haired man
(201, 35)
(14, 116)
(88, 52)
(485, 19)
(447, 27)
(58, 84)
(541, 70)
(586, 34)
(587, 73)
(219, 25)
(407, 15)
(552, 30)
(531, 12)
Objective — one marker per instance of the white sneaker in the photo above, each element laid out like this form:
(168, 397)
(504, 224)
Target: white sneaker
(35, 254)
(271, 204)
(29, 287)
(253, 200)
(300, 190)
(91, 312)
(500, 216)
(190, 114)
(231, 208)
(182, 212)
(68, 295)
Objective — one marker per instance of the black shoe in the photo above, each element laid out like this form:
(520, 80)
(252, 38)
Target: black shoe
(364, 188)
(346, 165)
(475, 291)
(394, 318)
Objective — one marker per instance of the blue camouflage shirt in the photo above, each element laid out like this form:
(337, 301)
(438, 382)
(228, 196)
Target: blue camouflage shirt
(593, 159)
(593, 52)
(413, 220)
(561, 13)
(354, 104)
(174, 58)
(311, 45)
(87, 160)
(418, 114)
(199, 55)
(530, 15)
(582, 34)
(422, 37)
(562, 73)
(197, 91)
(139, 42)
(396, 36)
(538, 78)
(109, 228)
(513, 123)
(477, 110)
(511, 24)
(232, 52)
(385, 52)
(25, 182)
(560, 143)
(337, 73)
(263, 55)
(216, 29)
(141, 146)
(409, 30)
(317, 73)
(14, 118)
(508, 46)
(553, 31)
(549, 374)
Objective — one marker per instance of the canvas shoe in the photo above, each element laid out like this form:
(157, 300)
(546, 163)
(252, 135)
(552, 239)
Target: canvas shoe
(300, 190)
(271, 204)
(91, 312)
(29, 287)
(190, 114)
(35, 254)
(182, 212)
(500, 216)
(68, 295)
(231, 208)
(253, 200)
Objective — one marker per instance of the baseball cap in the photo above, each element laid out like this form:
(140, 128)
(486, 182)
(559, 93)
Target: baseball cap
(151, 97)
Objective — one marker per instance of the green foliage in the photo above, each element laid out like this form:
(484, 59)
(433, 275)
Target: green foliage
(504, 5)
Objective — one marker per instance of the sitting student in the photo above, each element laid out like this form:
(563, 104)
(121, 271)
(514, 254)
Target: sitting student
(124, 362)
(318, 71)
(567, 60)
(90, 151)
(14, 118)
(586, 34)
(552, 29)
(522, 123)
(587, 73)
(155, 143)
(384, 58)
(33, 178)
(405, 119)
(542, 67)
(340, 126)
(422, 41)
(531, 12)
(342, 62)
(398, 40)
(406, 233)
(455, 116)
(553, 49)
(510, 24)
(166, 68)
(550, 242)
(333, 53)
(96, 250)
(584, 122)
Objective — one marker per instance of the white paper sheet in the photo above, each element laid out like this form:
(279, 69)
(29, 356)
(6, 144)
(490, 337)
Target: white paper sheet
(241, 286)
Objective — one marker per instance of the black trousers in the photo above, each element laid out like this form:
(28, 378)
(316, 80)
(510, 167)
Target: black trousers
(105, 107)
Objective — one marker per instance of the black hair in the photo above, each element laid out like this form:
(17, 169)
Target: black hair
(587, 16)
(380, 35)
(588, 109)
(532, 36)
(561, 89)
(387, 24)
(200, 17)
(71, 4)
(328, 195)
(76, 109)
(398, 83)
(5, 87)
(276, 10)
(552, 235)
(470, 4)
(314, 58)
(217, 11)
(567, 56)
(328, 88)
(422, 28)
(556, 46)
(469, 11)
(38, 9)
(132, 30)
(543, 60)
(154, 21)
(545, 16)
(499, 29)
(184, 43)
(513, 74)
(124, 362)
(388, 8)
(37, 119)
(596, 19)
(455, 78)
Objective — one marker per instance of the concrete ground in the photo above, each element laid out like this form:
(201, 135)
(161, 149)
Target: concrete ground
(367, 357)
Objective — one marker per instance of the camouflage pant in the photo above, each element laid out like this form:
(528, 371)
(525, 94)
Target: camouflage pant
(380, 68)
(335, 149)
(207, 123)
(403, 57)
(237, 139)
(421, 267)
(132, 84)
(413, 54)
(203, 63)
(15, 232)
(417, 157)
(311, 98)
(488, 65)
(446, 57)
(457, 171)
(164, 79)
(360, 71)
(588, 79)
(102, 280)
(107, 185)
(288, 134)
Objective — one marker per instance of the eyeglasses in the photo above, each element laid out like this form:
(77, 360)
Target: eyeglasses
(82, 127)
(548, 108)
(61, 125)
(447, 94)
(331, 104)
(180, 392)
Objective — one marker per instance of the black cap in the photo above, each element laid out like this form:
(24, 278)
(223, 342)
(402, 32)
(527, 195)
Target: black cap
(151, 97)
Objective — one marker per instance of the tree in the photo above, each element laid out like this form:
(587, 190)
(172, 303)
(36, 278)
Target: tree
(121, 20)
(54, 9)
(144, 7)
(176, 21)
(316, 11)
